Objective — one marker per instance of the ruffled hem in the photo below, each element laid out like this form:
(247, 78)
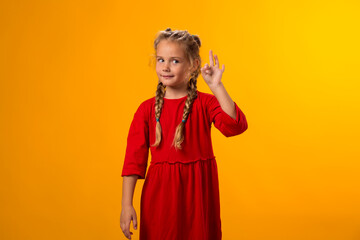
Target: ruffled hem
(181, 201)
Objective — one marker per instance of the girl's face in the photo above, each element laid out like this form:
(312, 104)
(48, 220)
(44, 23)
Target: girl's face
(171, 61)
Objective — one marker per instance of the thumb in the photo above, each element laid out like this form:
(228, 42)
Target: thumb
(135, 223)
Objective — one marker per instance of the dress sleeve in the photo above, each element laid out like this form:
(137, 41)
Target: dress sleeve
(222, 121)
(137, 149)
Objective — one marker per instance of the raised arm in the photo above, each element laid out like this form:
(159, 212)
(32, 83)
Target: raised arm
(225, 101)
(223, 111)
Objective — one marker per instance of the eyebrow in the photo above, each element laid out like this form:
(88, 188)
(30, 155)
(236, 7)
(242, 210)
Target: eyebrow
(170, 57)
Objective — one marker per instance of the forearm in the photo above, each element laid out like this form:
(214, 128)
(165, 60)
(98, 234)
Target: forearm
(225, 101)
(129, 183)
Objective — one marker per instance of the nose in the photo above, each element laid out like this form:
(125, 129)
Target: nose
(166, 67)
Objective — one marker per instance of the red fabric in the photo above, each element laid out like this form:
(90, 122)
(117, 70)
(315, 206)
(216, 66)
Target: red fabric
(180, 196)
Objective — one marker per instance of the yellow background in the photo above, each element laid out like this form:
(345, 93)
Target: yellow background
(72, 74)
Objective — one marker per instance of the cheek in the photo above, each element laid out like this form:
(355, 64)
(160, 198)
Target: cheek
(178, 69)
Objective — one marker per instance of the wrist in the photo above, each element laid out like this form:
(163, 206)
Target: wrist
(126, 204)
(216, 88)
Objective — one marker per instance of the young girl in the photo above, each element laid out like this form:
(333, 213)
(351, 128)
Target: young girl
(180, 196)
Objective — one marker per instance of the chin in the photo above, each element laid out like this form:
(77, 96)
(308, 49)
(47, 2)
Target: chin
(166, 81)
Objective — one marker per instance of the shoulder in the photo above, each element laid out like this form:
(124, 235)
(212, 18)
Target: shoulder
(204, 95)
(206, 98)
(144, 107)
(147, 102)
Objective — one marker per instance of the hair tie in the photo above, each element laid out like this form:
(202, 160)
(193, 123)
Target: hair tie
(183, 120)
(157, 119)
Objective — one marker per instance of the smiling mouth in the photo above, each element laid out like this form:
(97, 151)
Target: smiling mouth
(169, 76)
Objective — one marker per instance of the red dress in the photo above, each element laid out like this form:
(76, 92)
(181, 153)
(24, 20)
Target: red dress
(180, 196)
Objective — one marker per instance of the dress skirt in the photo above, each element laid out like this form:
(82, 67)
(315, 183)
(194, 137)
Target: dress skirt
(180, 201)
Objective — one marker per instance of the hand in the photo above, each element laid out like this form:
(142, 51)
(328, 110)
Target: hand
(127, 214)
(212, 74)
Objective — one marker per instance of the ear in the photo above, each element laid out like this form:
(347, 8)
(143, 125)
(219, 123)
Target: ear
(196, 65)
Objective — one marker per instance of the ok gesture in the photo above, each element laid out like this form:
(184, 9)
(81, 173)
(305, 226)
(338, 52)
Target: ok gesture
(212, 73)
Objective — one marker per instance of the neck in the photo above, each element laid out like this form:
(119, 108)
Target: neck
(171, 92)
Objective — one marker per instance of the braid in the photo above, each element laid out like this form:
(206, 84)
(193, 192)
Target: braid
(179, 132)
(159, 101)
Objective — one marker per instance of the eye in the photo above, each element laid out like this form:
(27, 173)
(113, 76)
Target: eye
(176, 60)
(159, 59)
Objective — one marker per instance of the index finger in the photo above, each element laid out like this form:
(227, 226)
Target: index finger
(211, 58)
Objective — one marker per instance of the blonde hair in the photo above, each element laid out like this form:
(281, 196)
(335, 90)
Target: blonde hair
(191, 44)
